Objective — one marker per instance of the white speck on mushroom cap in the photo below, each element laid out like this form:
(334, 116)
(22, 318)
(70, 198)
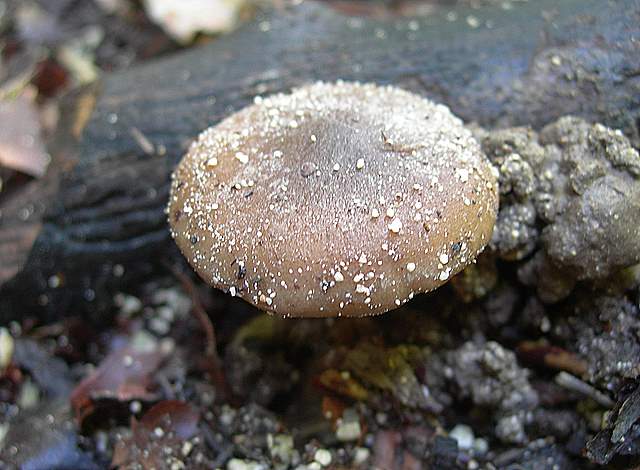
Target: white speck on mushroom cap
(289, 216)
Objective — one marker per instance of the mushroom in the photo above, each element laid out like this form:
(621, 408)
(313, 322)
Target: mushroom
(336, 199)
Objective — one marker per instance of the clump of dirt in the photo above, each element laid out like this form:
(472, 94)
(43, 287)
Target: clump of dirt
(568, 194)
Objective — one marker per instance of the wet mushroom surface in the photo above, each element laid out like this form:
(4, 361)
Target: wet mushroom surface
(336, 199)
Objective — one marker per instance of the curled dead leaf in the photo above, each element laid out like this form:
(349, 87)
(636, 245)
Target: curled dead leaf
(160, 439)
(21, 147)
(124, 375)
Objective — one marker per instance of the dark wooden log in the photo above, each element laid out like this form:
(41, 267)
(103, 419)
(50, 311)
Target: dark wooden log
(95, 223)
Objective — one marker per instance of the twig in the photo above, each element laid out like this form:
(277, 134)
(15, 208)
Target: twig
(570, 382)
(214, 364)
(142, 140)
(200, 314)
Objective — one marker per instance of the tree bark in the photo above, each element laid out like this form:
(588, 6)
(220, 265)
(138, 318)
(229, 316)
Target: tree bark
(96, 222)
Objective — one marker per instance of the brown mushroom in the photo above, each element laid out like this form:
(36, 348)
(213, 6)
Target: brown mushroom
(337, 199)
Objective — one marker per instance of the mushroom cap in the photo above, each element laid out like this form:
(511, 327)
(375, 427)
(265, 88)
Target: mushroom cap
(336, 199)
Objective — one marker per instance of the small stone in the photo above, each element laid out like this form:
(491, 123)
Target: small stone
(361, 455)
(29, 396)
(480, 446)
(240, 464)
(281, 447)
(348, 427)
(463, 434)
(323, 457)
(135, 407)
(187, 447)
(6, 348)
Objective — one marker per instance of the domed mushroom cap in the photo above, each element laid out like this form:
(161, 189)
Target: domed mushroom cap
(336, 199)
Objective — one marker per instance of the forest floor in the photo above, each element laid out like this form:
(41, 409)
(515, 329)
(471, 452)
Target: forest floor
(526, 360)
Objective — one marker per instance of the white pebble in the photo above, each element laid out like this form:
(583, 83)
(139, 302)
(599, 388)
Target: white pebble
(323, 457)
(464, 435)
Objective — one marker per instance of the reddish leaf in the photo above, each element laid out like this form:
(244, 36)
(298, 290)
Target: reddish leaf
(50, 78)
(124, 375)
(173, 416)
(158, 440)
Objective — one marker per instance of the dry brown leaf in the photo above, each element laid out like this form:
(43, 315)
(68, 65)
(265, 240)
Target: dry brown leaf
(182, 19)
(159, 438)
(21, 146)
(124, 375)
